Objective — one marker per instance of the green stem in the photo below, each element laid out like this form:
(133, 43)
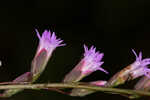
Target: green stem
(73, 85)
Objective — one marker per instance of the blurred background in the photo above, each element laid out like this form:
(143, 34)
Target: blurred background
(113, 26)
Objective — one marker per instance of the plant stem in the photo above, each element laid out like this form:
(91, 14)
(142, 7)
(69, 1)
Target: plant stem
(73, 85)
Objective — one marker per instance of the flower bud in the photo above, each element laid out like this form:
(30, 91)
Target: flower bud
(26, 77)
(84, 92)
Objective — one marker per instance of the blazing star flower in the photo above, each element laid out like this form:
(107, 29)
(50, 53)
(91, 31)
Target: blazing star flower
(132, 71)
(139, 67)
(47, 44)
(91, 62)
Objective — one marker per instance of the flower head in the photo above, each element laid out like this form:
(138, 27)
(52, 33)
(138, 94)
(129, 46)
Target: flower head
(140, 66)
(48, 41)
(89, 63)
(47, 44)
(92, 60)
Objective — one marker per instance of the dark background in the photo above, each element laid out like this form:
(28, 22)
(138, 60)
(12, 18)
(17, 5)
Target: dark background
(113, 26)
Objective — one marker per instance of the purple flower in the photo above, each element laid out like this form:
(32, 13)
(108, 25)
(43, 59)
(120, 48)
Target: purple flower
(92, 61)
(48, 41)
(89, 63)
(140, 66)
(47, 44)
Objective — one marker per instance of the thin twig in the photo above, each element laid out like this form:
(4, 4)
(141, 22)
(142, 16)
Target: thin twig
(72, 85)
